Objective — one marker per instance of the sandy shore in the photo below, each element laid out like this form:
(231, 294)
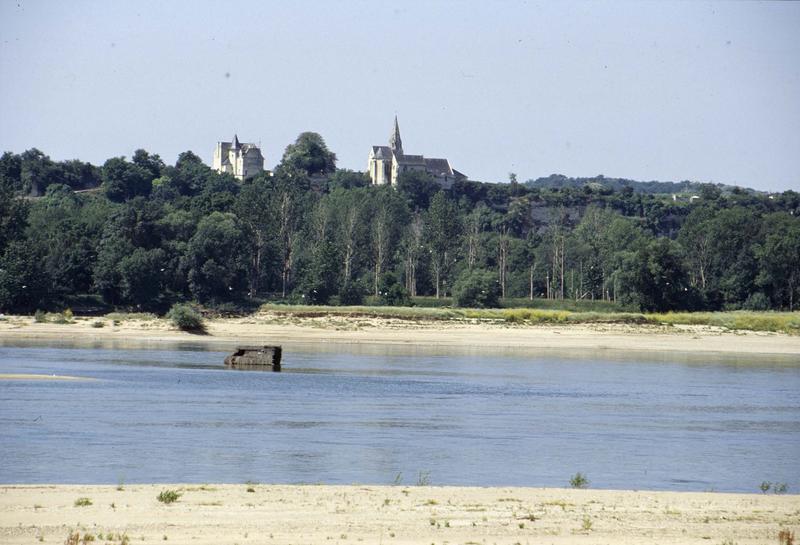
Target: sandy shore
(267, 328)
(223, 514)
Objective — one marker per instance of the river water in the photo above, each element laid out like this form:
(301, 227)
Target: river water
(343, 415)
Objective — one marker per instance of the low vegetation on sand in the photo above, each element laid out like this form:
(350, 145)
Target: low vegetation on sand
(168, 496)
(783, 322)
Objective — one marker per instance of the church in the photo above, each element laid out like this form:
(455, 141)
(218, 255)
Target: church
(386, 163)
(241, 160)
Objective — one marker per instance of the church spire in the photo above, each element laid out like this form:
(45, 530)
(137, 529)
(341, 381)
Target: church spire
(235, 144)
(394, 141)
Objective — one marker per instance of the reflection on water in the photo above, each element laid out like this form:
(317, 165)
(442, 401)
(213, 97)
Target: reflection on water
(364, 413)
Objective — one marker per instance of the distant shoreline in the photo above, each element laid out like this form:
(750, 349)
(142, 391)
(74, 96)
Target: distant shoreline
(318, 514)
(269, 328)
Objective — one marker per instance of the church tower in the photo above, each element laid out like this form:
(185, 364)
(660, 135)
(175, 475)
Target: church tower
(395, 143)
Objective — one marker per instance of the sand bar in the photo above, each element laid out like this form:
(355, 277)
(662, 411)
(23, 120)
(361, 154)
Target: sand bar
(272, 329)
(226, 514)
(33, 376)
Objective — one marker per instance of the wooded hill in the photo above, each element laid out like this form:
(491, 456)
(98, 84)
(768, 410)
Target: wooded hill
(153, 234)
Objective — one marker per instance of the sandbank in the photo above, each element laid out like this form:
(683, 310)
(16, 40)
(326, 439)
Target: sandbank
(268, 328)
(33, 376)
(222, 514)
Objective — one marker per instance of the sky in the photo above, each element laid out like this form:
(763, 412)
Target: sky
(644, 90)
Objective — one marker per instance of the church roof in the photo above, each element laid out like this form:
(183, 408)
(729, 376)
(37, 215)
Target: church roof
(438, 167)
(382, 152)
(411, 160)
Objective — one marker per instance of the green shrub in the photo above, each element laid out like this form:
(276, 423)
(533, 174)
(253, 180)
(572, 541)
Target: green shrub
(351, 293)
(477, 289)
(98, 324)
(168, 496)
(185, 318)
(83, 502)
(756, 301)
(579, 480)
(392, 292)
(40, 317)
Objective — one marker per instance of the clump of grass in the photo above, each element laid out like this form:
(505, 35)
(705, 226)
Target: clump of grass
(83, 502)
(186, 318)
(785, 537)
(168, 496)
(579, 480)
(586, 525)
(98, 324)
(424, 478)
(765, 486)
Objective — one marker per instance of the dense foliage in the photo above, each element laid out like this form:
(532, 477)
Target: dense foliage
(141, 234)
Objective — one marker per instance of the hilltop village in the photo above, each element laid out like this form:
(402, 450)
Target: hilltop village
(385, 163)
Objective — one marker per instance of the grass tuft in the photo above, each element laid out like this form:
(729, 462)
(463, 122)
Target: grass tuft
(168, 496)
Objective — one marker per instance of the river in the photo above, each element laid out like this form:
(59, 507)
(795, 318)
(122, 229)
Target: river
(378, 415)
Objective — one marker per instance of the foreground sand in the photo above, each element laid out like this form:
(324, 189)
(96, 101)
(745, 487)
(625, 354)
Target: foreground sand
(222, 514)
(266, 327)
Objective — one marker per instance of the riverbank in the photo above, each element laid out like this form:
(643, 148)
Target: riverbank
(253, 513)
(277, 328)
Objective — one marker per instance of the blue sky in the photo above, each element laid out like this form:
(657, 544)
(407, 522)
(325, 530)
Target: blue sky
(664, 91)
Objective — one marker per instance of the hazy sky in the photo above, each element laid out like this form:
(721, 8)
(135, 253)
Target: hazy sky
(645, 90)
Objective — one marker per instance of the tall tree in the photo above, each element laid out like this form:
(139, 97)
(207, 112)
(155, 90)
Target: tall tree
(443, 233)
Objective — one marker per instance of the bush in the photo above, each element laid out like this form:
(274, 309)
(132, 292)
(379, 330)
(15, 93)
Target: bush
(40, 317)
(352, 293)
(185, 318)
(392, 292)
(579, 480)
(168, 496)
(756, 301)
(477, 289)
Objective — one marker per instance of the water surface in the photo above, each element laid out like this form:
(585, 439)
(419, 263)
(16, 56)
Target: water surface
(342, 415)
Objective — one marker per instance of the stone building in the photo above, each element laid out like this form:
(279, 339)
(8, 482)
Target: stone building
(241, 160)
(386, 163)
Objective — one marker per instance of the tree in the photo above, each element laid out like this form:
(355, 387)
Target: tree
(23, 282)
(477, 288)
(388, 215)
(216, 258)
(141, 274)
(392, 292)
(253, 206)
(418, 188)
(123, 180)
(443, 232)
(152, 164)
(779, 258)
(412, 246)
(659, 279)
(309, 153)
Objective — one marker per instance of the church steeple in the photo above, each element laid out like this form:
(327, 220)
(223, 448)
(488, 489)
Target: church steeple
(394, 141)
(235, 144)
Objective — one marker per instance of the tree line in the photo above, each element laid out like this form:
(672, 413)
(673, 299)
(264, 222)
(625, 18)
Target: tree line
(142, 234)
